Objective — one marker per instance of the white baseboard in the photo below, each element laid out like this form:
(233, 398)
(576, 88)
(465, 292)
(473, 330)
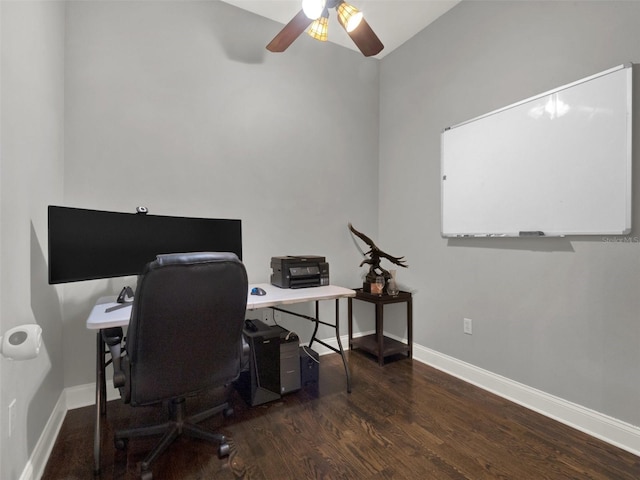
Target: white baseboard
(40, 455)
(598, 425)
(84, 395)
(70, 399)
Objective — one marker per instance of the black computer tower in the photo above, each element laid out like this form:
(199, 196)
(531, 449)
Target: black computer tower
(260, 382)
(289, 362)
(309, 367)
(273, 363)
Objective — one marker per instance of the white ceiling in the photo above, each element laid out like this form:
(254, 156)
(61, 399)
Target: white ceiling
(394, 21)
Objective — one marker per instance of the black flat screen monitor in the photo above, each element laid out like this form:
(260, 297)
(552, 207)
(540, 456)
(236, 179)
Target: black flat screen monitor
(91, 244)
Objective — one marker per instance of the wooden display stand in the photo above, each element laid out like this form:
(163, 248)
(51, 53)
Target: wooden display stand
(377, 344)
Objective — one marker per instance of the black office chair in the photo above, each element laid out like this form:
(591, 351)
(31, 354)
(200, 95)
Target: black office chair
(185, 336)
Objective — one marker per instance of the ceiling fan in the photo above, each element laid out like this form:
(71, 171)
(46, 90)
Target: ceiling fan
(316, 14)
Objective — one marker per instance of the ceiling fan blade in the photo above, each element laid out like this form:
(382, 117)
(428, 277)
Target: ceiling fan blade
(289, 33)
(366, 39)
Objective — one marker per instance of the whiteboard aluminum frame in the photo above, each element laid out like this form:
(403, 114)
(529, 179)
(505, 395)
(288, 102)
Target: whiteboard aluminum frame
(629, 157)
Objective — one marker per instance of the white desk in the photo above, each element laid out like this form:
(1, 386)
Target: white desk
(106, 313)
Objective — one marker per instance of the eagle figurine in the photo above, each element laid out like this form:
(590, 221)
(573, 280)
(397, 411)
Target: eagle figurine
(375, 254)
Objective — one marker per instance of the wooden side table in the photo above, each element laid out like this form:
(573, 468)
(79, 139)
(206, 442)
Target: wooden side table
(377, 344)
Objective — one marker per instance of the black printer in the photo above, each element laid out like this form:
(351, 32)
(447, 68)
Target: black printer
(299, 271)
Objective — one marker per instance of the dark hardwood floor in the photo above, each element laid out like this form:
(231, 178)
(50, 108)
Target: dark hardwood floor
(403, 421)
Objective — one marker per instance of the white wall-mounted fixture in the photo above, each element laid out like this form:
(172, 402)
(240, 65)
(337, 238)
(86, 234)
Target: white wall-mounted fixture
(22, 342)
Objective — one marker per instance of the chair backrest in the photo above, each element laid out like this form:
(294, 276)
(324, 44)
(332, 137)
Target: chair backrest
(185, 332)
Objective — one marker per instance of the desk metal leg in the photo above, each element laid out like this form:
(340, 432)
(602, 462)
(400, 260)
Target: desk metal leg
(100, 392)
(344, 358)
(316, 323)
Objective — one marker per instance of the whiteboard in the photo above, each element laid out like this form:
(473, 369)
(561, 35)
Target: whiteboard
(555, 164)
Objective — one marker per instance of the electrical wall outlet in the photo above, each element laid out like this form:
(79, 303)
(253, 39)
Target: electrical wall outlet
(270, 316)
(468, 326)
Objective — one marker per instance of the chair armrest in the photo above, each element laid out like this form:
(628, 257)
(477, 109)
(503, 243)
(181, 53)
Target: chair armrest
(113, 337)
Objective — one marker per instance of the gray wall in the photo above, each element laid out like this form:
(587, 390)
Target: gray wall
(558, 315)
(170, 107)
(31, 148)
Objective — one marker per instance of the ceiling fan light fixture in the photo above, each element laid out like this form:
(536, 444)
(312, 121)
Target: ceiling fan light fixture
(349, 16)
(320, 29)
(313, 8)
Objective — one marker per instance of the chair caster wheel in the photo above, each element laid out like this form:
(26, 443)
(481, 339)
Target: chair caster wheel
(121, 443)
(227, 412)
(146, 475)
(224, 450)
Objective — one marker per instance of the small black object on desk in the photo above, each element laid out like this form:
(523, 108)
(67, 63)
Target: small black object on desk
(126, 294)
(258, 291)
(377, 344)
